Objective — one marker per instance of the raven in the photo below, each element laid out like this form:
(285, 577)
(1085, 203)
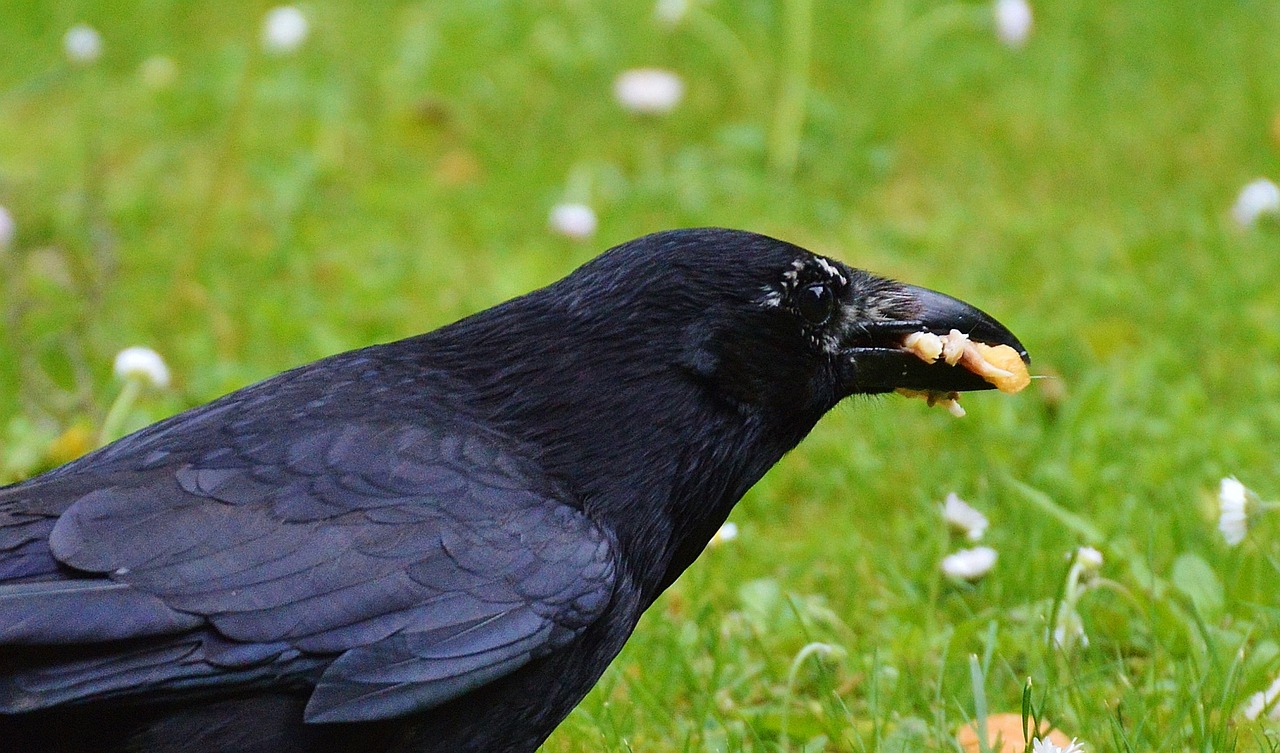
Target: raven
(436, 544)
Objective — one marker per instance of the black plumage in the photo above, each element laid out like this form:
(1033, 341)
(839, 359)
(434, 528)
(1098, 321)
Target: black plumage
(437, 544)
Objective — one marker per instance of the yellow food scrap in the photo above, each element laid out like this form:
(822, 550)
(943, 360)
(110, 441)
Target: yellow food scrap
(954, 346)
(926, 345)
(948, 400)
(999, 365)
(1003, 366)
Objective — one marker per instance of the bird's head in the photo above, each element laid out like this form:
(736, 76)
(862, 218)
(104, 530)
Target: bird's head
(662, 379)
(768, 326)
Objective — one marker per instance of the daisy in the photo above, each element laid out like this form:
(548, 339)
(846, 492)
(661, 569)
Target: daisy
(648, 91)
(1045, 746)
(1232, 518)
(1257, 198)
(964, 519)
(83, 44)
(671, 12)
(1265, 701)
(8, 228)
(143, 365)
(969, 564)
(1089, 559)
(158, 72)
(1013, 22)
(284, 30)
(573, 220)
(727, 532)
(1069, 632)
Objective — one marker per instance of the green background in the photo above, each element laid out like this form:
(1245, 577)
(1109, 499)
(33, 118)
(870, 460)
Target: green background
(259, 211)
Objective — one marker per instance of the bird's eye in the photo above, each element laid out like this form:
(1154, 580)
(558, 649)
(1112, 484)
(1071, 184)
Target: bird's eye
(816, 302)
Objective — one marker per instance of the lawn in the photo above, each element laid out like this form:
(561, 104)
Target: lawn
(242, 211)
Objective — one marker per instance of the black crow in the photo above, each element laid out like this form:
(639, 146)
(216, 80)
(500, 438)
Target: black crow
(436, 544)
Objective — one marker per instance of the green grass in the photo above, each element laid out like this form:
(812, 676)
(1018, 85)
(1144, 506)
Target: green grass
(396, 174)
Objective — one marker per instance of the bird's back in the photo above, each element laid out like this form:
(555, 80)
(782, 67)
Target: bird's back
(203, 578)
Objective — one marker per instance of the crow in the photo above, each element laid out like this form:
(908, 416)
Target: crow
(436, 544)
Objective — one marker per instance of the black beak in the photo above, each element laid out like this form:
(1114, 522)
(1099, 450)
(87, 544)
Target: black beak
(878, 362)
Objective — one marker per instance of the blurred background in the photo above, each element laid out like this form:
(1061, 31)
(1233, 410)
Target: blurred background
(245, 187)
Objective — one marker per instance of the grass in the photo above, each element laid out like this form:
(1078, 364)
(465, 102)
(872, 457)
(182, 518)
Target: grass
(396, 173)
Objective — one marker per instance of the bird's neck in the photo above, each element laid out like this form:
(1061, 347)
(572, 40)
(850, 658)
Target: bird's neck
(639, 443)
(662, 475)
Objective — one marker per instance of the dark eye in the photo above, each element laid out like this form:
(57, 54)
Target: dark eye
(816, 303)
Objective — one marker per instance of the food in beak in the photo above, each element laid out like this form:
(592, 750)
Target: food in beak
(999, 365)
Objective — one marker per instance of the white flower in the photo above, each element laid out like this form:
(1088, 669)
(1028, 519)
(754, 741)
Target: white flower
(142, 364)
(964, 519)
(1256, 199)
(158, 72)
(1046, 746)
(1070, 630)
(8, 228)
(969, 564)
(83, 44)
(671, 12)
(1266, 700)
(577, 221)
(1089, 559)
(728, 532)
(1232, 520)
(1013, 22)
(648, 91)
(284, 30)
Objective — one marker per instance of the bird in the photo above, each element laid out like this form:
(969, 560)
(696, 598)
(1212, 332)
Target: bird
(438, 543)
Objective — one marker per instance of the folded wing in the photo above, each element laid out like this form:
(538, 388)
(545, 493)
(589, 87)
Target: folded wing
(393, 566)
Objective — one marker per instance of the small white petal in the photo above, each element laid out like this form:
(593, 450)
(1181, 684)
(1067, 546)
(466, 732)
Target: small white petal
(8, 228)
(964, 519)
(284, 30)
(577, 221)
(1090, 559)
(1233, 519)
(1266, 701)
(158, 72)
(648, 91)
(143, 364)
(727, 532)
(969, 564)
(83, 44)
(671, 12)
(1046, 746)
(1013, 22)
(1259, 197)
(1234, 528)
(1070, 631)
(1232, 494)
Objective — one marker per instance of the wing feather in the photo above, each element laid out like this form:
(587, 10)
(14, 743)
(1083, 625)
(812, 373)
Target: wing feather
(414, 563)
